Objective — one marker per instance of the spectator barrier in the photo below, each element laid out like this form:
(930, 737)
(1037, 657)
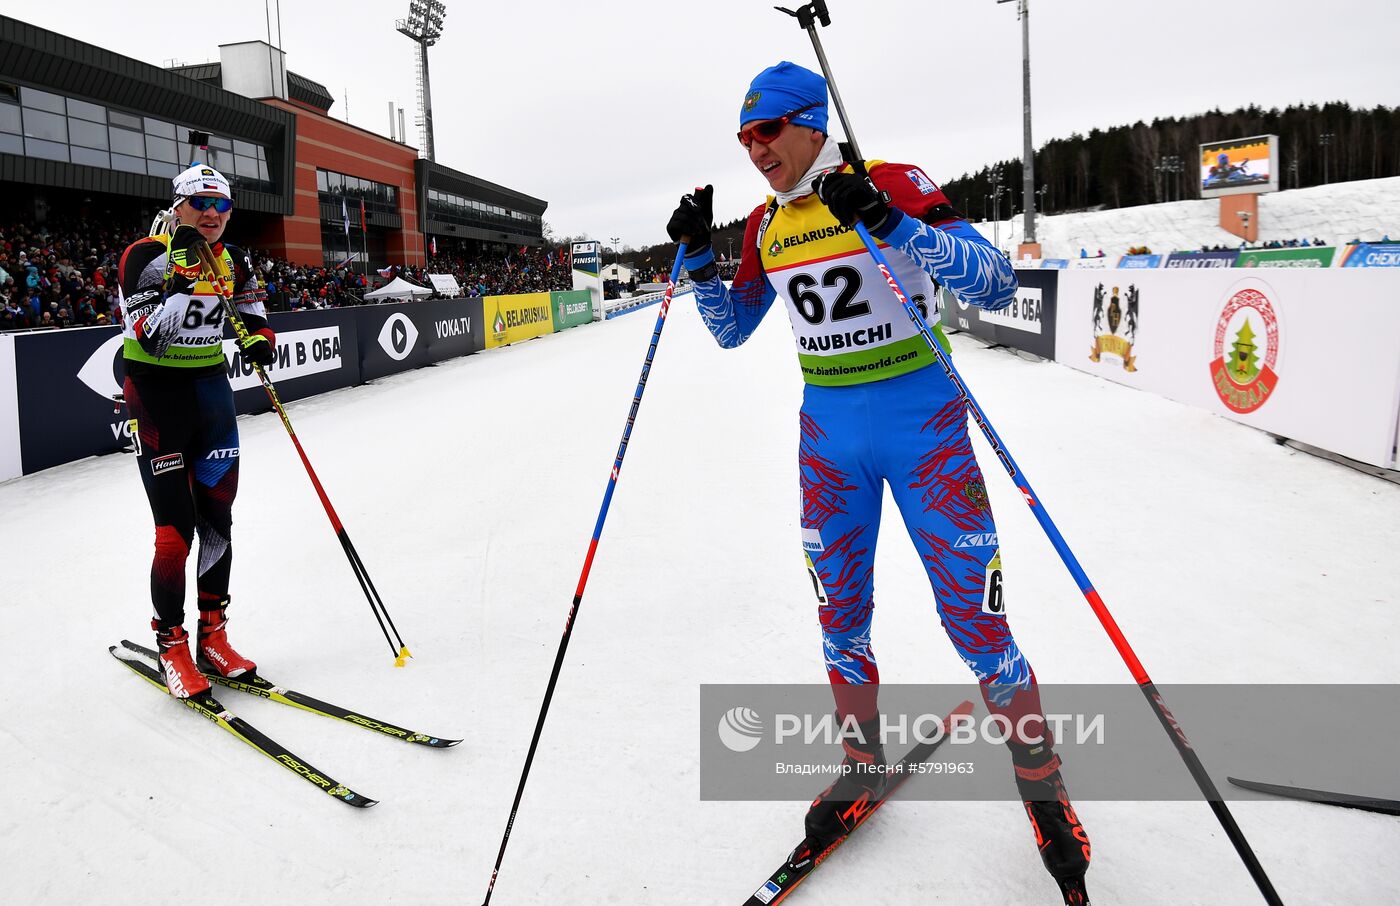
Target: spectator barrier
(57, 386)
(1303, 256)
(1203, 259)
(1027, 324)
(614, 307)
(1367, 254)
(1183, 336)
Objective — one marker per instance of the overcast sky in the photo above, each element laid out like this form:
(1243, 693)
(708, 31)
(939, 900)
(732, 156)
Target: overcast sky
(610, 110)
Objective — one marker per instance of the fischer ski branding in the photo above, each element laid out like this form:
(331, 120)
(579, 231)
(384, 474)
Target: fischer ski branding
(260, 687)
(802, 862)
(209, 707)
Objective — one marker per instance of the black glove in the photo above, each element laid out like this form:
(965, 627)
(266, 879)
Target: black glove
(183, 262)
(849, 197)
(259, 348)
(694, 217)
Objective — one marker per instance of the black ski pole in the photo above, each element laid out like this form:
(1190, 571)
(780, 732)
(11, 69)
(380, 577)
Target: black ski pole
(216, 267)
(587, 565)
(807, 17)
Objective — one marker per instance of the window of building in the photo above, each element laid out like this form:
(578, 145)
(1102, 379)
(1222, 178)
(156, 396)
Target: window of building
(160, 128)
(87, 134)
(125, 141)
(128, 163)
(91, 157)
(125, 120)
(51, 126)
(84, 111)
(162, 149)
(47, 126)
(34, 147)
(41, 100)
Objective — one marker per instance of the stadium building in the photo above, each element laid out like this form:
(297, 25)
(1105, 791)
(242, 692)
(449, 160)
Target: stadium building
(88, 133)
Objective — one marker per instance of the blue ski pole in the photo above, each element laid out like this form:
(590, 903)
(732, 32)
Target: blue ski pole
(588, 562)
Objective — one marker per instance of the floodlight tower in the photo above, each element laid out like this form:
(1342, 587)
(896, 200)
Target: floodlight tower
(423, 26)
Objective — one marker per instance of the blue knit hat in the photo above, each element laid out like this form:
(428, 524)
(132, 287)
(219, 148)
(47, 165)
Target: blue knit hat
(779, 90)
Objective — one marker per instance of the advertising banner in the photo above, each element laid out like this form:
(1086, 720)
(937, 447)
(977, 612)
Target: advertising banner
(1247, 347)
(1057, 263)
(10, 466)
(1029, 322)
(1203, 259)
(65, 381)
(1371, 255)
(446, 284)
(515, 318)
(1140, 261)
(401, 337)
(1240, 166)
(571, 308)
(1314, 256)
(588, 272)
(317, 351)
(454, 328)
(1094, 264)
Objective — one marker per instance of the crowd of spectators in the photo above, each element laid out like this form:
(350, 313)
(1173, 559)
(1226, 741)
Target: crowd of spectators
(61, 275)
(298, 287)
(519, 270)
(1302, 243)
(64, 274)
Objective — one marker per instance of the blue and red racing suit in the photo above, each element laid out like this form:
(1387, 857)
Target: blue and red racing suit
(873, 411)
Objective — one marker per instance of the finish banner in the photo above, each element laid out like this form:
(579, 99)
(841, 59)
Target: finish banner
(571, 308)
(511, 319)
(588, 272)
(1314, 256)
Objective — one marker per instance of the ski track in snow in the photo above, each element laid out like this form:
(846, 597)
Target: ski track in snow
(471, 489)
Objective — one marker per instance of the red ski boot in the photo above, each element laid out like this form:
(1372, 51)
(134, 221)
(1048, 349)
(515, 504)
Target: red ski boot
(216, 655)
(177, 668)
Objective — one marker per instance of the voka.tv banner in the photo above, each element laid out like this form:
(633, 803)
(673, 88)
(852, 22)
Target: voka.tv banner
(396, 338)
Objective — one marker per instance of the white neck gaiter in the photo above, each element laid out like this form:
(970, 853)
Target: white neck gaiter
(828, 158)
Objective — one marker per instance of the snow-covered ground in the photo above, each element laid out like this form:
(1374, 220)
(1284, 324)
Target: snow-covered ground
(471, 488)
(1338, 213)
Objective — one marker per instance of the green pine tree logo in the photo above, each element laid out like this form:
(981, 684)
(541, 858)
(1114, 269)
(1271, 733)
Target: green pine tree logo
(1244, 362)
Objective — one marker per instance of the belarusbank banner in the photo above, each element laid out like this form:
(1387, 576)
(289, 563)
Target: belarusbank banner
(571, 308)
(1315, 256)
(510, 319)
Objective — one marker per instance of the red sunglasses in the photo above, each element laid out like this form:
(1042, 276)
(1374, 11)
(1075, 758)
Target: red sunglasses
(766, 131)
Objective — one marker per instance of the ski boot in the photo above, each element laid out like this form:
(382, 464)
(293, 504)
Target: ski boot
(1063, 844)
(177, 668)
(844, 803)
(216, 655)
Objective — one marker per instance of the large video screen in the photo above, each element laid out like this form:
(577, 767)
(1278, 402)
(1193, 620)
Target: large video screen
(1239, 166)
